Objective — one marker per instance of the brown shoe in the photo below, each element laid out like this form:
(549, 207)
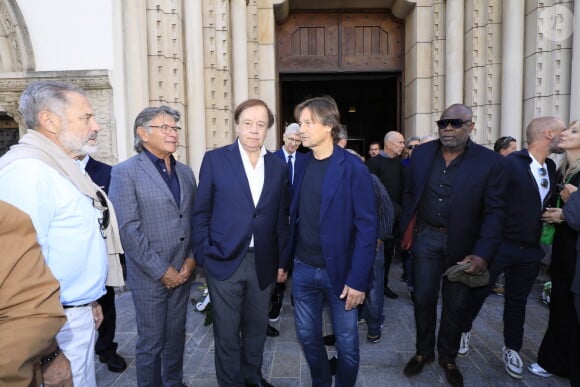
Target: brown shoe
(452, 373)
(415, 365)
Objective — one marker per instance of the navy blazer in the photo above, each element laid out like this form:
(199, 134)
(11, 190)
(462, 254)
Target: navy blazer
(225, 217)
(100, 173)
(477, 204)
(348, 221)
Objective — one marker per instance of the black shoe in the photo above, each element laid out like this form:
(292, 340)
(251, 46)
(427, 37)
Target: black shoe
(115, 363)
(390, 294)
(329, 340)
(416, 364)
(271, 331)
(276, 306)
(333, 363)
(452, 373)
(261, 383)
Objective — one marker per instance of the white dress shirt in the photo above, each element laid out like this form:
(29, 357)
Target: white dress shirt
(255, 176)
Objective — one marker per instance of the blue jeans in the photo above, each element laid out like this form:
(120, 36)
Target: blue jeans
(311, 290)
(372, 309)
(430, 261)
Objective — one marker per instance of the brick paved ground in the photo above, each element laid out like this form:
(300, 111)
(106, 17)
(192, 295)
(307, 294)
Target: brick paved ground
(381, 364)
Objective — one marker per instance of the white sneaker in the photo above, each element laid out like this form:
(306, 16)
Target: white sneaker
(513, 363)
(536, 369)
(464, 344)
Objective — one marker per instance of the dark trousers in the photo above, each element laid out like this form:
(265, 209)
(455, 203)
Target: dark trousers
(105, 346)
(240, 318)
(521, 267)
(430, 261)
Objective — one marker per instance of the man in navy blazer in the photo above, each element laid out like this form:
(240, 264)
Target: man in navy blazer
(240, 230)
(455, 190)
(296, 161)
(334, 234)
(105, 346)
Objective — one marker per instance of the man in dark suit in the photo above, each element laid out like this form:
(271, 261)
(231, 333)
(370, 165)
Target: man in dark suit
(153, 195)
(105, 347)
(240, 228)
(531, 178)
(296, 161)
(455, 190)
(334, 234)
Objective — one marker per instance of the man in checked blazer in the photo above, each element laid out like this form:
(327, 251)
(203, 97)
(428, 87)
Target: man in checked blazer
(240, 228)
(153, 195)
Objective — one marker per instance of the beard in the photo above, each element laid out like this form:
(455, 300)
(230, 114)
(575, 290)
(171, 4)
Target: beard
(74, 144)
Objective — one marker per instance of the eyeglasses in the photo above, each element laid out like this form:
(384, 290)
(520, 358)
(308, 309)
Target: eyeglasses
(166, 129)
(410, 147)
(104, 207)
(455, 123)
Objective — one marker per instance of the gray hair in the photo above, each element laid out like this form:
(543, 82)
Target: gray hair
(292, 128)
(412, 138)
(144, 119)
(342, 134)
(42, 95)
(428, 138)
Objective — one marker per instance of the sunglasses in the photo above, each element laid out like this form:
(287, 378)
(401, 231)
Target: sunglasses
(411, 147)
(104, 221)
(542, 172)
(506, 140)
(455, 123)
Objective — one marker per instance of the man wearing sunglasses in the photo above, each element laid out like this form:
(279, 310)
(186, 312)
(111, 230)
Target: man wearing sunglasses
(454, 191)
(43, 177)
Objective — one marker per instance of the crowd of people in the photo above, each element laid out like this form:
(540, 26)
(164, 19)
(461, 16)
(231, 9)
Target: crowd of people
(458, 214)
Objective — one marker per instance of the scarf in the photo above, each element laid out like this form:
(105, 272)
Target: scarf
(37, 146)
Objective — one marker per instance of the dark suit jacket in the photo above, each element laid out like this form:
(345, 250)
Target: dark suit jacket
(225, 217)
(348, 221)
(572, 214)
(299, 161)
(476, 203)
(100, 173)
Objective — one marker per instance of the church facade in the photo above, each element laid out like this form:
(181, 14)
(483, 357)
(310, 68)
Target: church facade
(390, 64)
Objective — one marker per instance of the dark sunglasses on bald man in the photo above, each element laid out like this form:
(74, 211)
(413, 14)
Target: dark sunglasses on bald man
(455, 123)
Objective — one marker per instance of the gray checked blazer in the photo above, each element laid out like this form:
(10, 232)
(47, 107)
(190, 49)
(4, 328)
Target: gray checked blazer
(155, 232)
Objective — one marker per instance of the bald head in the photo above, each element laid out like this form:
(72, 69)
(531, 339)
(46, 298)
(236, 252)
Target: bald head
(545, 131)
(458, 110)
(394, 144)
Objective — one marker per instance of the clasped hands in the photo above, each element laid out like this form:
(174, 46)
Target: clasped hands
(173, 278)
(556, 215)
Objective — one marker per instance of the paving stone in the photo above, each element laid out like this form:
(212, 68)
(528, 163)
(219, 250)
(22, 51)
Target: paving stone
(381, 364)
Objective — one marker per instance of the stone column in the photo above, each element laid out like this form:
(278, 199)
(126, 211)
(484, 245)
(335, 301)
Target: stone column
(239, 25)
(512, 71)
(195, 90)
(454, 37)
(575, 76)
(135, 70)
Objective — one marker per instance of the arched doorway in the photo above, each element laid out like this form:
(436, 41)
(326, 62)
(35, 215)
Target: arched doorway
(9, 133)
(354, 56)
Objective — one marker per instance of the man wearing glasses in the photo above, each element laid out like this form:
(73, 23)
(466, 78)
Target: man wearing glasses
(153, 194)
(530, 183)
(454, 192)
(42, 176)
